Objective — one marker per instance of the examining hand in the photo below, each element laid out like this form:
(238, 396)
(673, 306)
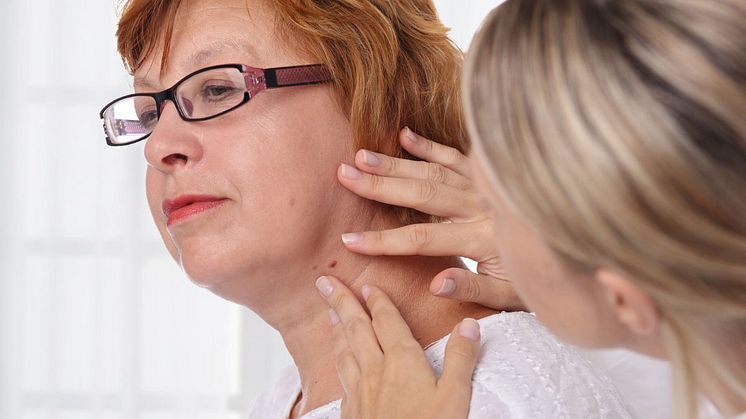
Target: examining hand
(384, 371)
(441, 186)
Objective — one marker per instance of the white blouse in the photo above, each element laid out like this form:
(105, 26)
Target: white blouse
(644, 382)
(523, 372)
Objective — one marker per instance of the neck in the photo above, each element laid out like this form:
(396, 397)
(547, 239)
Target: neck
(290, 302)
(307, 331)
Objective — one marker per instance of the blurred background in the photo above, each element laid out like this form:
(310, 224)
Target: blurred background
(96, 320)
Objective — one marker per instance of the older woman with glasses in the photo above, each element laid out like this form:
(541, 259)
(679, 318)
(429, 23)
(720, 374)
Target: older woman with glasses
(248, 108)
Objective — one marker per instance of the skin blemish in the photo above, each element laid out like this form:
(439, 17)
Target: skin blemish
(315, 267)
(333, 264)
(292, 202)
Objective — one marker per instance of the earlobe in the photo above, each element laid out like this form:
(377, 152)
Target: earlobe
(633, 307)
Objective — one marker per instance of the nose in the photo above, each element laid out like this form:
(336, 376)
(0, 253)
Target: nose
(174, 143)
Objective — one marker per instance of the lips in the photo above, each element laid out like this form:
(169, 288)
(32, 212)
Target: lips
(187, 206)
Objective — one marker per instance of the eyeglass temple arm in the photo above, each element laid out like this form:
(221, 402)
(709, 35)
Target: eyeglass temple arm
(296, 76)
(128, 127)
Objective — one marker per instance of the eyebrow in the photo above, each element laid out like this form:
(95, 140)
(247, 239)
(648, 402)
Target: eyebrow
(200, 57)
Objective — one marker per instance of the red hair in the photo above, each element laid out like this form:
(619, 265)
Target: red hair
(392, 62)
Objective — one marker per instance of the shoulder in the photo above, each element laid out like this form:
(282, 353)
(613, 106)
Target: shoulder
(539, 376)
(276, 402)
(524, 371)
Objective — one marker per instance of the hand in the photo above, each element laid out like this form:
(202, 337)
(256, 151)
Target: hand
(382, 368)
(441, 186)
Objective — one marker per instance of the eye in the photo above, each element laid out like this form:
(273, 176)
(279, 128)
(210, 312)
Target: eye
(148, 116)
(218, 92)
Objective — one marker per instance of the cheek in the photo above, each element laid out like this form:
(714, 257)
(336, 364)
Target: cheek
(281, 169)
(154, 189)
(288, 149)
(546, 287)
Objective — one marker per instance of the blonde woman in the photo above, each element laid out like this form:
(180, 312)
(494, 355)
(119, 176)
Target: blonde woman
(610, 146)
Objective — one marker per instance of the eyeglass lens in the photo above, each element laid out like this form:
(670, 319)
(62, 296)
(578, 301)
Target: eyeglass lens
(201, 96)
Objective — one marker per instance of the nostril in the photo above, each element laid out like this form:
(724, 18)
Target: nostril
(175, 158)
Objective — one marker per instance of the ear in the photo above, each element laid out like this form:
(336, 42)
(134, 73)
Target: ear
(633, 307)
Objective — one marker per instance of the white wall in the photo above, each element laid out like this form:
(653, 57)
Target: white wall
(96, 321)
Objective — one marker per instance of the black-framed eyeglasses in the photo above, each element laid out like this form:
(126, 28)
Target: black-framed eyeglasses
(201, 95)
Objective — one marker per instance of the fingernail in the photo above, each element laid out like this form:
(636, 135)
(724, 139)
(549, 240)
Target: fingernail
(324, 286)
(411, 135)
(351, 173)
(352, 238)
(333, 317)
(447, 287)
(366, 292)
(469, 328)
(370, 159)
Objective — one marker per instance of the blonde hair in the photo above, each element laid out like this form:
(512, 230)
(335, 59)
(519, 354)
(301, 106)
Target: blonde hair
(618, 130)
(391, 61)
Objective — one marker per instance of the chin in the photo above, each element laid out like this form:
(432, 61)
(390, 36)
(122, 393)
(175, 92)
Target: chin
(209, 264)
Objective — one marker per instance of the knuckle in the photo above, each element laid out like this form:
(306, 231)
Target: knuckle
(458, 391)
(345, 358)
(377, 237)
(402, 350)
(427, 191)
(465, 185)
(336, 300)
(371, 379)
(381, 309)
(461, 351)
(393, 165)
(420, 236)
(355, 325)
(392, 381)
(473, 290)
(429, 145)
(380, 317)
(437, 173)
(454, 157)
(376, 185)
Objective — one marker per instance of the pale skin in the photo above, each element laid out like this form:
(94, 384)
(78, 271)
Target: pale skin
(278, 228)
(597, 309)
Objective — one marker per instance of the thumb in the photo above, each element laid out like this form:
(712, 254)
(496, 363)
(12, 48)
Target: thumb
(462, 352)
(464, 285)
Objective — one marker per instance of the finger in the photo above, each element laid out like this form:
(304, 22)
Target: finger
(462, 352)
(383, 165)
(423, 195)
(391, 329)
(347, 367)
(433, 152)
(355, 322)
(347, 409)
(464, 285)
(445, 239)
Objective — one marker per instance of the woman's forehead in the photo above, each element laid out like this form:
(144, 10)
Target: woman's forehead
(212, 53)
(206, 28)
(206, 33)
